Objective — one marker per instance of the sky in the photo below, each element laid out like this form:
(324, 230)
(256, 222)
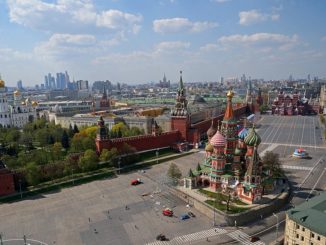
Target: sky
(137, 41)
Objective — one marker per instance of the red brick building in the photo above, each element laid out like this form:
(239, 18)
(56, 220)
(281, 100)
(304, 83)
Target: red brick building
(7, 185)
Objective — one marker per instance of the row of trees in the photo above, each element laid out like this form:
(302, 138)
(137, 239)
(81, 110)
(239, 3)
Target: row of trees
(43, 151)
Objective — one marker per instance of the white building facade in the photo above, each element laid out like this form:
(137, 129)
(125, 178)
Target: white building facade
(18, 114)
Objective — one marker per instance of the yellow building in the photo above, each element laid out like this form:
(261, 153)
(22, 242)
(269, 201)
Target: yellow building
(306, 223)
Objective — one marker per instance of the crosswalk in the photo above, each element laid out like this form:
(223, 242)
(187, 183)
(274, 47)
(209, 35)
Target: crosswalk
(296, 167)
(243, 238)
(237, 235)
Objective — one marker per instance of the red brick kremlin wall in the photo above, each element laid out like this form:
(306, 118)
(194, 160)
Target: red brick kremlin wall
(7, 185)
(142, 142)
(181, 133)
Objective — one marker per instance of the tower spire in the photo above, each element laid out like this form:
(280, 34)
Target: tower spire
(229, 110)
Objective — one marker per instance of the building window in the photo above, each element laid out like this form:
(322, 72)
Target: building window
(297, 235)
(298, 226)
(302, 238)
(303, 229)
(318, 238)
(312, 235)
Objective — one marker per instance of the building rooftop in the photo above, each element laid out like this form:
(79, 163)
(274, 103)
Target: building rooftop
(311, 214)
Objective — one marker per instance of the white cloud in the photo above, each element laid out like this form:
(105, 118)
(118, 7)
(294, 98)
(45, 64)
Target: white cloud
(175, 25)
(70, 16)
(255, 16)
(259, 37)
(172, 45)
(115, 19)
(66, 46)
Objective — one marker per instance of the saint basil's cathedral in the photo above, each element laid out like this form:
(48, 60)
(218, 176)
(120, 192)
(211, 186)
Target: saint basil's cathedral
(231, 163)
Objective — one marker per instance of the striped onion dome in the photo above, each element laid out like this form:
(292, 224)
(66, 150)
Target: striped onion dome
(218, 140)
(243, 133)
(209, 147)
(252, 138)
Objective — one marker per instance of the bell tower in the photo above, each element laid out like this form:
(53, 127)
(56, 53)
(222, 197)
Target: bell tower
(180, 115)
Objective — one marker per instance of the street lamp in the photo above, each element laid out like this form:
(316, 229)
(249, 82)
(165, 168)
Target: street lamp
(157, 153)
(25, 241)
(72, 176)
(276, 225)
(1, 242)
(214, 211)
(119, 162)
(20, 188)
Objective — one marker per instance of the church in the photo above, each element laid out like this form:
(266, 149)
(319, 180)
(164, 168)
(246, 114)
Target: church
(19, 113)
(232, 164)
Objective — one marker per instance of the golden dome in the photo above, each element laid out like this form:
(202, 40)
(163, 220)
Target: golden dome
(230, 94)
(34, 103)
(23, 103)
(2, 83)
(17, 93)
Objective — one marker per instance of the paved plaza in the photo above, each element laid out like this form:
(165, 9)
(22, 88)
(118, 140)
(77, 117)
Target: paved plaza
(96, 213)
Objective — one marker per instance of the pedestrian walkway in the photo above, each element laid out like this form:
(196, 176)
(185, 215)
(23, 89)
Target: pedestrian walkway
(237, 235)
(296, 167)
(243, 238)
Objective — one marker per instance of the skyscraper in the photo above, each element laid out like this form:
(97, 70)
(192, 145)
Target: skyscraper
(20, 85)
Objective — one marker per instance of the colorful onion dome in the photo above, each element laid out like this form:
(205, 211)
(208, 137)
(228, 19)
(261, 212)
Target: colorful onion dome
(252, 138)
(218, 140)
(212, 130)
(243, 133)
(209, 148)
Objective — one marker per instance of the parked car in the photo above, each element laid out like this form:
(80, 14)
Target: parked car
(184, 216)
(191, 214)
(167, 212)
(135, 182)
(254, 239)
(161, 237)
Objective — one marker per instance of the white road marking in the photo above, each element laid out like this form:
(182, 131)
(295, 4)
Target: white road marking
(296, 167)
(294, 145)
(269, 148)
(243, 238)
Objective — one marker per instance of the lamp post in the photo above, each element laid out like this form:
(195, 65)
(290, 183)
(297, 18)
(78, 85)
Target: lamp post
(157, 153)
(214, 212)
(276, 225)
(119, 162)
(20, 188)
(1, 242)
(72, 176)
(25, 241)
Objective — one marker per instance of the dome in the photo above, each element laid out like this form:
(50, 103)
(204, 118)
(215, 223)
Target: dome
(212, 130)
(230, 94)
(209, 147)
(23, 103)
(34, 103)
(27, 101)
(16, 93)
(218, 140)
(243, 133)
(252, 138)
(2, 83)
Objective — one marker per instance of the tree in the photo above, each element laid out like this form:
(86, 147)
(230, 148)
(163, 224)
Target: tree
(88, 143)
(65, 140)
(76, 130)
(173, 171)
(263, 108)
(70, 131)
(57, 150)
(108, 155)
(88, 161)
(32, 173)
(272, 163)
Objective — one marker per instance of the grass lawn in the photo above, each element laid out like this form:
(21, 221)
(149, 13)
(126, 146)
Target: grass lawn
(222, 207)
(220, 196)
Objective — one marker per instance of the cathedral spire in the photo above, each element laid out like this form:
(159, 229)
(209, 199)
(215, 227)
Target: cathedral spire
(229, 110)
(181, 89)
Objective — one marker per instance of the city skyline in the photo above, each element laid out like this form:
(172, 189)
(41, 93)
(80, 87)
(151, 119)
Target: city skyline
(137, 42)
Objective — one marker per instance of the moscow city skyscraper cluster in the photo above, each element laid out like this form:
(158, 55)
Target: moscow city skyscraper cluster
(60, 82)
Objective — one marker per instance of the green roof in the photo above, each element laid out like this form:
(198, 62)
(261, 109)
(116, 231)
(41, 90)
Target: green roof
(311, 214)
